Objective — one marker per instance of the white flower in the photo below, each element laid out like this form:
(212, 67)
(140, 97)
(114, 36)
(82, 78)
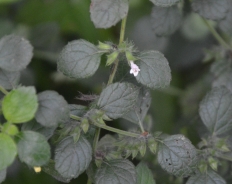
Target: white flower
(134, 69)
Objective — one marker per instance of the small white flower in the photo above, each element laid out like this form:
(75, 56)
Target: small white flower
(134, 69)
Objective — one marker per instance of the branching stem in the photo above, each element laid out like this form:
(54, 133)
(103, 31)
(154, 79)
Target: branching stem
(115, 66)
(216, 35)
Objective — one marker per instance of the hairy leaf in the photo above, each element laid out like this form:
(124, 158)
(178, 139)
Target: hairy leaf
(2, 175)
(177, 156)
(33, 148)
(20, 105)
(226, 23)
(115, 172)
(165, 20)
(144, 174)
(210, 177)
(8, 151)
(34, 126)
(50, 169)
(79, 59)
(118, 99)
(106, 13)
(77, 110)
(164, 3)
(139, 111)
(72, 159)
(154, 70)
(15, 53)
(9, 80)
(211, 9)
(53, 109)
(216, 110)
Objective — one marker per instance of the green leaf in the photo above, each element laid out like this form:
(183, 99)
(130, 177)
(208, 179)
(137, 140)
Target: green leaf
(222, 70)
(177, 156)
(77, 110)
(50, 169)
(79, 59)
(139, 111)
(106, 13)
(8, 151)
(15, 53)
(2, 175)
(20, 105)
(9, 80)
(144, 174)
(226, 24)
(164, 3)
(165, 20)
(8, 1)
(118, 99)
(33, 148)
(216, 110)
(53, 109)
(72, 159)
(154, 70)
(36, 127)
(211, 9)
(116, 171)
(210, 177)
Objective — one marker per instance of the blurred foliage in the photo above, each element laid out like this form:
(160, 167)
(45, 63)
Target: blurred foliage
(50, 24)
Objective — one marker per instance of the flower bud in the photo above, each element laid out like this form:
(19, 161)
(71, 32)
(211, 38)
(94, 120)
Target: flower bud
(202, 166)
(85, 125)
(103, 46)
(142, 148)
(213, 163)
(130, 57)
(152, 144)
(111, 58)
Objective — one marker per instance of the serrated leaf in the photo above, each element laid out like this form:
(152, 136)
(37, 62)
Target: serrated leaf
(226, 24)
(211, 9)
(8, 151)
(20, 105)
(106, 13)
(50, 169)
(2, 175)
(77, 110)
(72, 159)
(118, 99)
(53, 109)
(33, 148)
(165, 20)
(177, 156)
(144, 174)
(79, 59)
(222, 71)
(154, 70)
(210, 177)
(36, 127)
(115, 172)
(9, 80)
(139, 111)
(15, 53)
(216, 110)
(164, 3)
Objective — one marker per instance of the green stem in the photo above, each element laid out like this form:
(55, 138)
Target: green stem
(89, 181)
(115, 66)
(96, 137)
(115, 130)
(2, 89)
(216, 35)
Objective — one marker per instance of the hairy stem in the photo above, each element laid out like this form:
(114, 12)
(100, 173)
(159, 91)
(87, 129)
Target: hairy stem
(96, 137)
(2, 89)
(216, 35)
(115, 130)
(115, 66)
(89, 181)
